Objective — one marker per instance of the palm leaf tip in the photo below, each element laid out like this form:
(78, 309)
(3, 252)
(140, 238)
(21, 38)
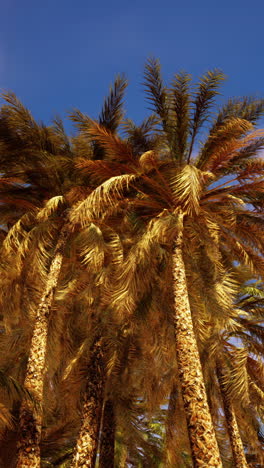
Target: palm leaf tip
(112, 112)
(157, 93)
(181, 100)
(204, 97)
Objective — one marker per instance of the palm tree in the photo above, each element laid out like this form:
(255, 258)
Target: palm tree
(107, 442)
(226, 355)
(36, 153)
(87, 442)
(195, 206)
(43, 159)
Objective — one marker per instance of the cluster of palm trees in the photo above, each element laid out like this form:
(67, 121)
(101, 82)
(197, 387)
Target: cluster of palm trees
(131, 288)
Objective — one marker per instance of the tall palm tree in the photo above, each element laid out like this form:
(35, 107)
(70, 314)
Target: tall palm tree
(107, 442)
(192, 204)
(35, 153)
(43, 157)
(224, 355)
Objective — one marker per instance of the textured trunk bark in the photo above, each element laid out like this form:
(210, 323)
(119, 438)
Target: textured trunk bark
(87, 443)
(107, 444)
(239, 458)
(205, 451)
(31, 415)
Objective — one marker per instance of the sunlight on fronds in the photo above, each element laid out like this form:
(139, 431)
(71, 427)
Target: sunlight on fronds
(49, 208)
(236, 379)
(17, 233)
(92, 247)
(148, 160)
(257, 395)
(104, 196)
(247, 108)
(187, 186)
(115, 247)
(133, 282)
(74, 361)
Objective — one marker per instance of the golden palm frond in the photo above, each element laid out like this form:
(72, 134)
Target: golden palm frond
(104, 196)
(92, 247)
(229, 150)
(17, 233)
(49, 208)
(236, 378)
(187, 187)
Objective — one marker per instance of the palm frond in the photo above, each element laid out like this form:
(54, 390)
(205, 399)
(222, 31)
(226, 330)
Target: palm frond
(181, 101)
(104, 196)
(187, 186)
(247, 108)
(231, 130)
(156, 91)
(112, 113)
(49, 208)
(236, 380)
(230, 149)
(202, 102)
(92, 247)
(115, 149)
(143, 137)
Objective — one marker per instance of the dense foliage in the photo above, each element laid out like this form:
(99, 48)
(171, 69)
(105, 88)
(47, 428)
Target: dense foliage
(132, 296)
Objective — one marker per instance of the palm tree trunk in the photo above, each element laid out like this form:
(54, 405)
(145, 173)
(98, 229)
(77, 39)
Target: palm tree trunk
(238, 453)
(205, 451)
(107, 444)
(87, 443)
(31, 414)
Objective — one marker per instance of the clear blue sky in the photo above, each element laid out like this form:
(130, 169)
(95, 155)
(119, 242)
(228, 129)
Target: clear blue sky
(59, 54)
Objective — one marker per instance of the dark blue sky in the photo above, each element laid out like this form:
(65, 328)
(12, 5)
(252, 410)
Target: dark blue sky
(59, 54)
